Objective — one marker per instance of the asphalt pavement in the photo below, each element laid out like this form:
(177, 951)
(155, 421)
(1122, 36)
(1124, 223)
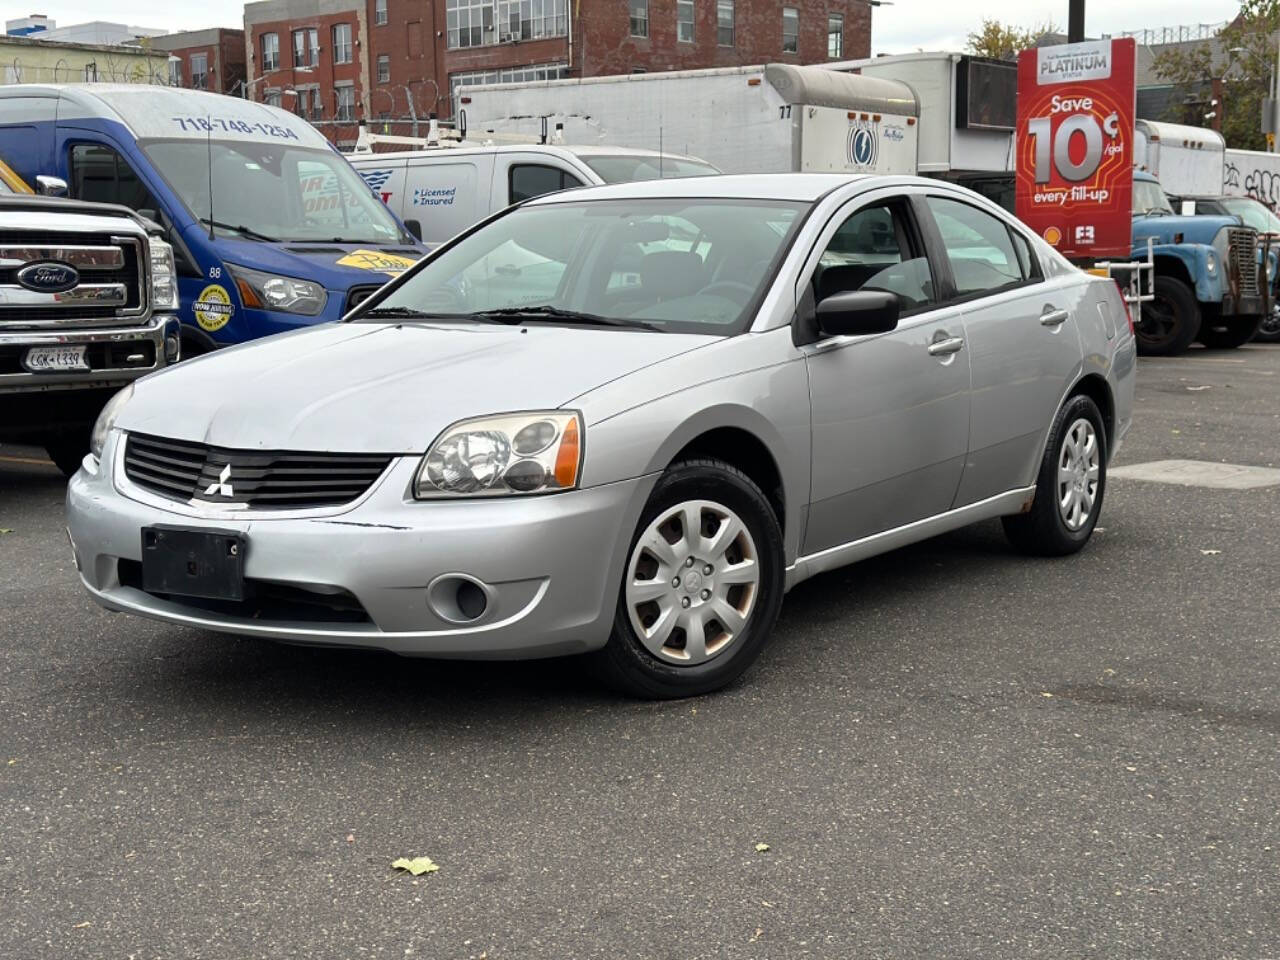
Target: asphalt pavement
(950, 751)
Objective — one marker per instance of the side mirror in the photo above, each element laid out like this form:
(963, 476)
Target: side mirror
(415, 228)
(857, 313)
(51, 186)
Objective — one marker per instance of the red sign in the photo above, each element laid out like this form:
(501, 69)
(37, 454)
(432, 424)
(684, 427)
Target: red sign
(1074, 145)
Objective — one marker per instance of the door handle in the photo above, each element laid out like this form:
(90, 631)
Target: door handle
(940, 348)
(1053, 318)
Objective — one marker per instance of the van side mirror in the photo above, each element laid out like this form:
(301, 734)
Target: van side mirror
(857, 313)
(415, 228)
(51, 186)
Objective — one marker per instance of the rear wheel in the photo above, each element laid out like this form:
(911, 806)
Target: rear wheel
(1232, 333)
(1171, 321)
(702, 585)
(1269, 330)
(1069, 487)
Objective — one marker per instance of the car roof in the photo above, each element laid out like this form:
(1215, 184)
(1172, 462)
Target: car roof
(472, 147)
(806, 187)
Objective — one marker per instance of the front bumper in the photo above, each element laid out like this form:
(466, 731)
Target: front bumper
(117, 355)
(551, 565)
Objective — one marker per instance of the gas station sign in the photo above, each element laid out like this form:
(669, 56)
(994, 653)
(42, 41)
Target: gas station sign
(1074, 145)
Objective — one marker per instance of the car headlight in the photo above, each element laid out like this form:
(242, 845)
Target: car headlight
(1211, 263)
(106, 420)
(265, 291)
(164, 276)
(518, 453)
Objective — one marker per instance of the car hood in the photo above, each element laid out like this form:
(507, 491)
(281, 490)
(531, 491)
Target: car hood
(1193, 229)
(383, 388)
(338, 266)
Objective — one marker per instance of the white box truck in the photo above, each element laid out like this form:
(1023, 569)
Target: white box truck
(759, 119)
(1188, 161)
(1251, 173)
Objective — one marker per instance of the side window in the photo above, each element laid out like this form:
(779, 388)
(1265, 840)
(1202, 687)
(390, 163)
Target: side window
(875, 249)
(978, 246)
(100, 174)
(529, 180)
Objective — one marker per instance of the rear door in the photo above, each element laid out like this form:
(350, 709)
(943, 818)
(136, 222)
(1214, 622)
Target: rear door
(1022, 340)
(447, 193)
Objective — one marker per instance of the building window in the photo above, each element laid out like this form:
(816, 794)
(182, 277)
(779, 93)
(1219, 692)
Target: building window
(539, 71)
(475, 23)
(199, 71)
(344, 110)
(317, 104)
(272, 97)
(724, 23)
(835, 36)
(270, 52)
(640, 18)
(313, 44)
(384, 68)
(790, 30)
(342, 43)
(379, 12)
(300, 48)
(684, 21)
(175, 72)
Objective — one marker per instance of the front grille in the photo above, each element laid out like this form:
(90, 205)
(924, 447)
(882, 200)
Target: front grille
(1244, 259)
(118, 263)
(269, 480)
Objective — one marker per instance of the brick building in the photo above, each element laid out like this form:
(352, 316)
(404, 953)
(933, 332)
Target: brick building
(210, 59)
(338, 61)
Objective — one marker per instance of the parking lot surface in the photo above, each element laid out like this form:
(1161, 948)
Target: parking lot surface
(950, 751)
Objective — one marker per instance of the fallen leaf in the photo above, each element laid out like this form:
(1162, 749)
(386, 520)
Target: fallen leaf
(1046, 693)
(1202, 387)
(1132, 769)
(5, 530)
(81, 926)
(1210, 553)
(416, 866)
(756, 936)
(762, 848)
(351, 838)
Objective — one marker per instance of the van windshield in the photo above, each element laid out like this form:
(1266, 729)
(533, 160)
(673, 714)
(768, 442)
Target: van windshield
(270, 191)
(630, 167)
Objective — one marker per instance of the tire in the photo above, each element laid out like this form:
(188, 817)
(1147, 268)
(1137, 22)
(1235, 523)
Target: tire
(668, 663)
(1171, 321)
(1269, 331)
(67, 450)
(1044, 530)
(1231, 334)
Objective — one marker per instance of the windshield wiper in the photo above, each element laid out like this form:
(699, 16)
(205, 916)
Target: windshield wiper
(407, 313)
(251, 234)
(550, 314)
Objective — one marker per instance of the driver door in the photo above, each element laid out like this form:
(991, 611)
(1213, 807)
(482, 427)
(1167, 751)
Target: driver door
(890, 412)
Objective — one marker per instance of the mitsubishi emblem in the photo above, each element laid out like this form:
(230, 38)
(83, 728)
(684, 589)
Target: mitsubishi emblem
(221, 486)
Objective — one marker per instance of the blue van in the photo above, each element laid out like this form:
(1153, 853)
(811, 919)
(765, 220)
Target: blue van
(271, 227)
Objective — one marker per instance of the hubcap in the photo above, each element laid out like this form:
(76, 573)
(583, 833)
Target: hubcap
(1079, 469)
(692, 582)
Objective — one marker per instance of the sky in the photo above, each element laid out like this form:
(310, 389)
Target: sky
(903, 27)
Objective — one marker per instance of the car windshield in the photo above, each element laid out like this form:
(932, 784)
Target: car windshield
(1252, 214)
(630, 167)
(678, 265)
(269, 191)
(1148, 197)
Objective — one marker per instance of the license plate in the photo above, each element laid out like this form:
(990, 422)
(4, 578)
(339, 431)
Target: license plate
(193, 563)
(55, 359)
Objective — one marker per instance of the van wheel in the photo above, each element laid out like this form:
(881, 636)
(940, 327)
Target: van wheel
(1069, 487)
(701, 588)
(1232, 333)
(1170, 322)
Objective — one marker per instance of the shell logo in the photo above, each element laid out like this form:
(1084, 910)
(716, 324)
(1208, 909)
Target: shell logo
(1052, 236)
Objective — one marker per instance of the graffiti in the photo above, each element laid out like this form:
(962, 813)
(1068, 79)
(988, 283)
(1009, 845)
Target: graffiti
(1230, 176)
(1263, 185)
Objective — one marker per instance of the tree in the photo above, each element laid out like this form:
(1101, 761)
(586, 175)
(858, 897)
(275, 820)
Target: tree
(1239, 78)
(1003, 41)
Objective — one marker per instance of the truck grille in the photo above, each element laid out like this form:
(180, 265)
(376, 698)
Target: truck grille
(109, 288)
(1243, 245)
(272, 480)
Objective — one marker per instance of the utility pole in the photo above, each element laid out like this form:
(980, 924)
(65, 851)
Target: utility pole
(1075, 21)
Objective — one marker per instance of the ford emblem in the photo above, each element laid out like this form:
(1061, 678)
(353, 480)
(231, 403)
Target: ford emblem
(48, 277)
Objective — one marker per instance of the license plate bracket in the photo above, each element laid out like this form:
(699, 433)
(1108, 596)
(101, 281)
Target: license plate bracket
(57, 359)
(193, 563)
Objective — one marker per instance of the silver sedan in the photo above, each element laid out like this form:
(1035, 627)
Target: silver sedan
(620, 421)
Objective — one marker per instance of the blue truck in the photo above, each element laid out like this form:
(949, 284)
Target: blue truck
(1208, 280)
(271, 227)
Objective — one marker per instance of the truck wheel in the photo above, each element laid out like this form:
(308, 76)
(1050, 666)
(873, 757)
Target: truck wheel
(1170, 322)
(1230, 334)
(1269, 331)
(67, 450)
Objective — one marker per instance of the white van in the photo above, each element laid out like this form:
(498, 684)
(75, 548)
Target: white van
(441, 191)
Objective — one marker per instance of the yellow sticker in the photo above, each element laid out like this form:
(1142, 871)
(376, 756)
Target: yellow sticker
(374, 260)
(213, 308)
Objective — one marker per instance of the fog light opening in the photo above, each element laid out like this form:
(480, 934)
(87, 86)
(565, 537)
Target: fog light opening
(458, 598)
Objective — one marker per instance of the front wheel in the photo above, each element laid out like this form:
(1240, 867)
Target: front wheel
(702, 585)
(1269, 331)
(1169, 322)
(1232, 333)
(1069, 487)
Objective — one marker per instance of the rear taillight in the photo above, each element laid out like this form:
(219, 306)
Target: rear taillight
(1128, 314)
